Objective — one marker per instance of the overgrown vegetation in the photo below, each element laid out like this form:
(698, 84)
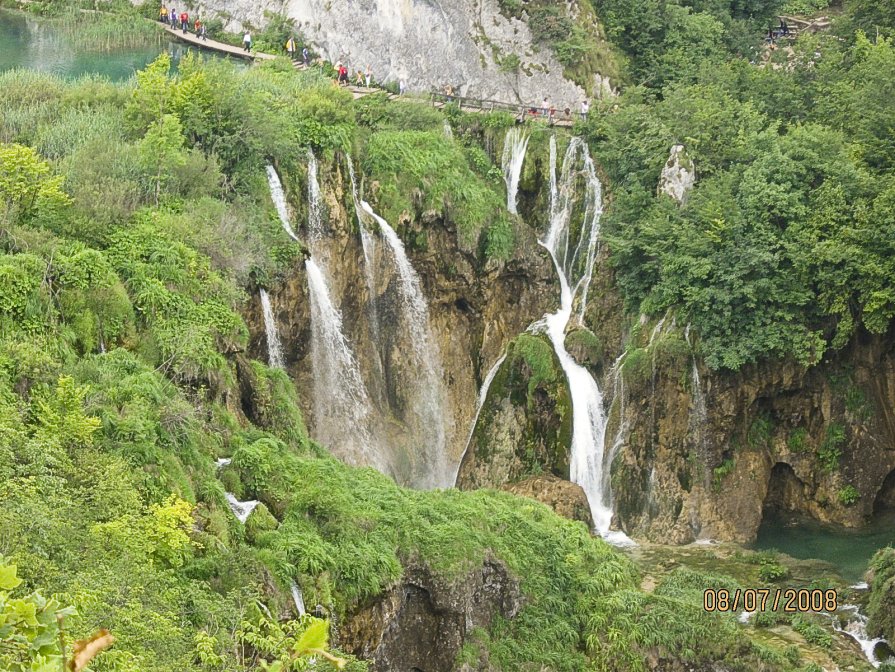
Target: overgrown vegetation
(784, 248)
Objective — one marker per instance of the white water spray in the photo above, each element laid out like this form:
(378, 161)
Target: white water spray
(855, 626)
(279, 201)
(298, 599)
(514, 146)
(483, 394)
(274, 348)
(242, 510)
(573, 261)
(433, 470)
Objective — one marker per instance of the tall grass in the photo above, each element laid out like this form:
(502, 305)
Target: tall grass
(94, 31)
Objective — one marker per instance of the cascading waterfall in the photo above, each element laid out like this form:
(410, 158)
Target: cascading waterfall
(297, 599)
(432, 469)
(573, 263)
(242, 510)
(341, 406)
(621, 434)
(483, 394)
(274, 348)
(514, 146)
(855, 626)
(369, 246)
(279, 200)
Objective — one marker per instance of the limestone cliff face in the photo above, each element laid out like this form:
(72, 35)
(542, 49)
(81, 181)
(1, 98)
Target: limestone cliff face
(428, 44)
(475, 309)
(709, 455)
(422, 622)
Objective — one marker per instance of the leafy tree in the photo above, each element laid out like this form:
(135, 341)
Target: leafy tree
(27, 187)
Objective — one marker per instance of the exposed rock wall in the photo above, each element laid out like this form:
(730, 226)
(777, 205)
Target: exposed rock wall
(428, 44)
(474, 309)
(423, 621)
(775, 439)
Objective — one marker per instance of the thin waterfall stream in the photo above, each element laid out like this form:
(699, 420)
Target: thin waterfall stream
(514, 146)
(430, 468)
(274, 347)
(573, 261)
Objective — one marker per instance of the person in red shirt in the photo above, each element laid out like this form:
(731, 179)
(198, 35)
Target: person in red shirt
(184, 21)
(197, 26)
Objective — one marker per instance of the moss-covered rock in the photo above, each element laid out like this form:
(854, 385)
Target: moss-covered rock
(525, 424)
(881, 608)
(260, 521)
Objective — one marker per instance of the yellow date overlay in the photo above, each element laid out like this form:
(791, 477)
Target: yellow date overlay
(789, 600)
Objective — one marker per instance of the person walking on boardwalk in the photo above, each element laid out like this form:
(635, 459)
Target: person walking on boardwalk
(402, 87)
(184, 21)
(197, 26)
(203, 33)
(172, 17)
(305, 56)
(163, 14)
(585, 108)
(368, 77)
(290, 48)
(359, 78)
(247, 41)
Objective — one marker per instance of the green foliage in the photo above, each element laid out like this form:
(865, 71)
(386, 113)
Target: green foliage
(811, 631)
(848, 495)
(27, 188)
(423, 170)
(540, 359)
(721, 472)
(29, 631)
(772, 571)
(830, 449)
(797, 441)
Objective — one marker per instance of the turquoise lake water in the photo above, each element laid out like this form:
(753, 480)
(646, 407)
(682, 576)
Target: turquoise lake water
(29, 42)
(848, 550)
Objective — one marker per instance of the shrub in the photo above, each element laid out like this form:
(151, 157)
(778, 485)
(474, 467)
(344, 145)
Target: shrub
(848, 495)
(830, 449)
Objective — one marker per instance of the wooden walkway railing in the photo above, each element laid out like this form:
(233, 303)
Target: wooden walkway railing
(439, 100)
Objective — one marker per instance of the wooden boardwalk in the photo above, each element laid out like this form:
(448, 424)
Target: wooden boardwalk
(437, 100)
(191, 38)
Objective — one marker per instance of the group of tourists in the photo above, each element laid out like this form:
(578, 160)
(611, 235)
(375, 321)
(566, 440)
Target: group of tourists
(361, 78)
(548, 111)
(292, 50)
(170, 16)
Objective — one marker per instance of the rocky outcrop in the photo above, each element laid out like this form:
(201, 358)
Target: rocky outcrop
(709, 455)
(427, 44)
(678, 175)
(423, 621)
(564, 497)
(475, 309)
(525, 423)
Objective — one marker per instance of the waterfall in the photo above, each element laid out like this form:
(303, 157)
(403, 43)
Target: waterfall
(573, 262)
(242, 510)
(448, 131)
(856, 627)
(621, 434)
(274, 349)
(368, 244)
(483, 394)
(429, 395)
(341, 405)
(342, 409)
(297, 599)
(279, 200)
(315, 201)
(514, 146)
